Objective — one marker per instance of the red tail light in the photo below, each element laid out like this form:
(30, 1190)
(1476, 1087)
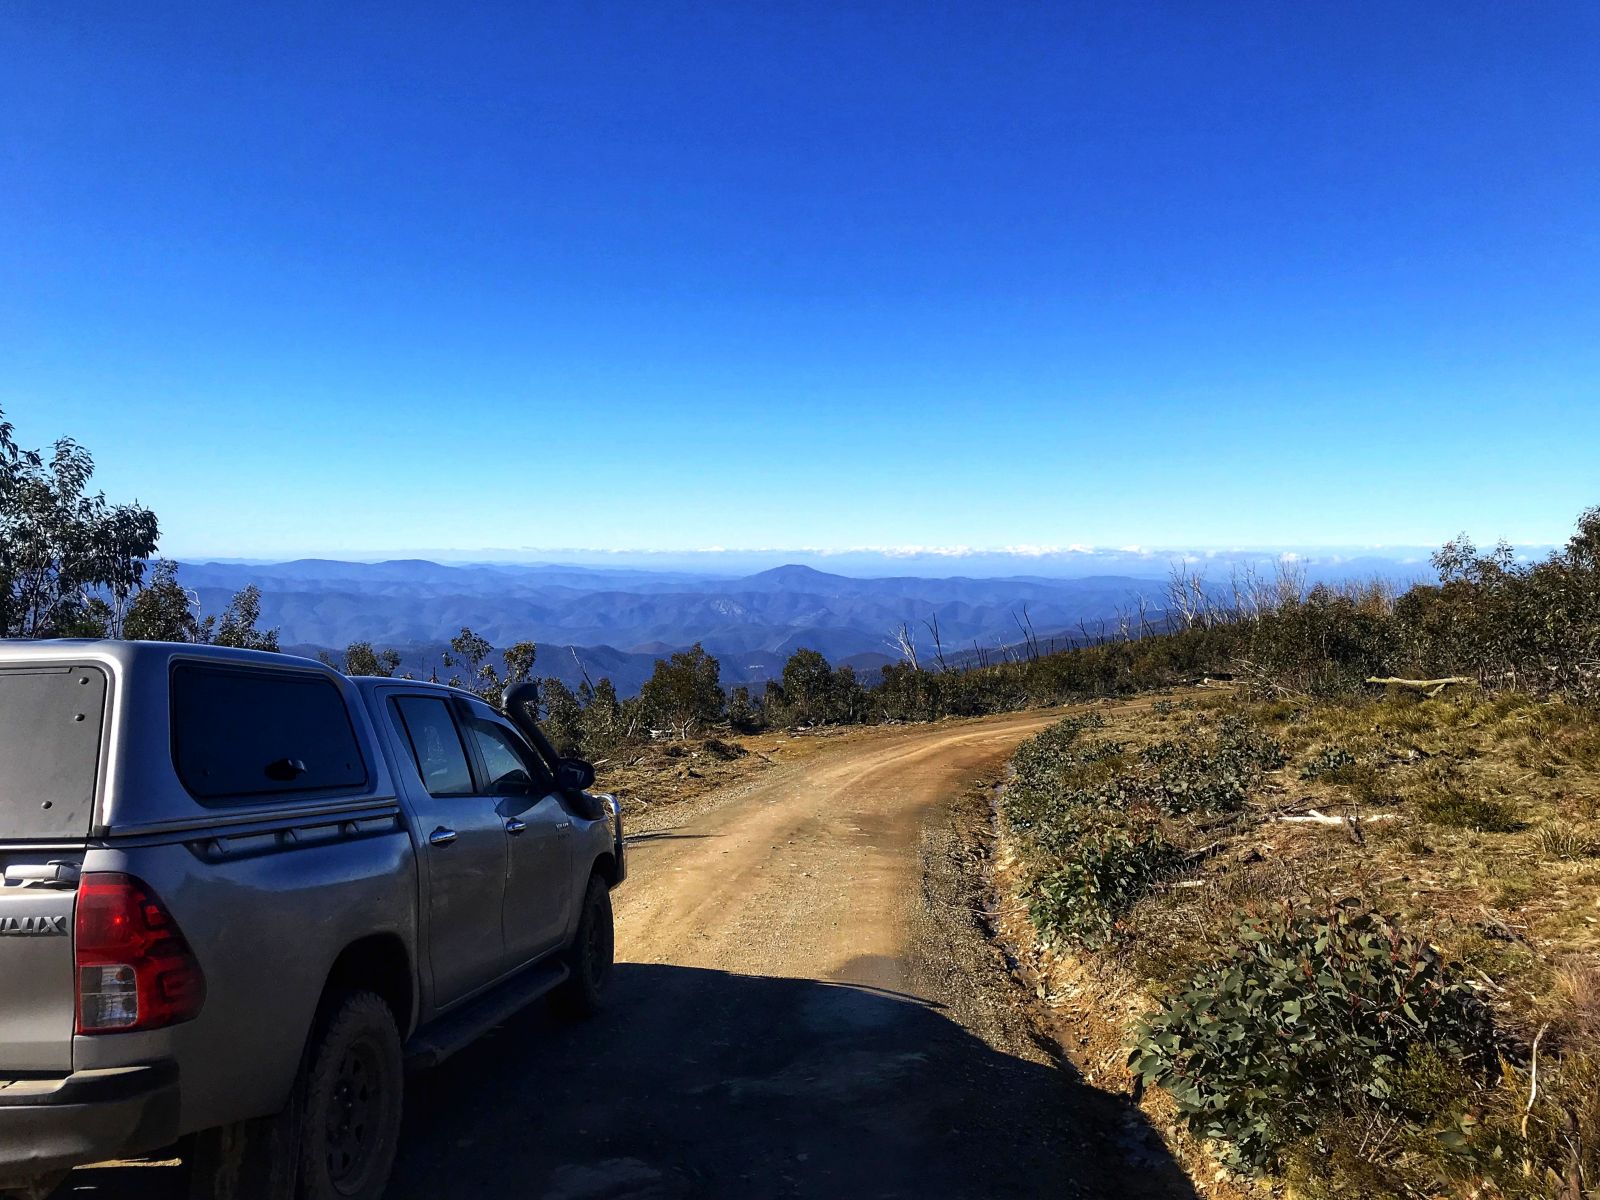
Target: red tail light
(135, 971)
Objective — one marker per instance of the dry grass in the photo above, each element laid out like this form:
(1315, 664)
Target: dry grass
(1487, 842)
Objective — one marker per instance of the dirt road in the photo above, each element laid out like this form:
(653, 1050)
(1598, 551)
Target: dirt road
(802, 1007)
(813, 873)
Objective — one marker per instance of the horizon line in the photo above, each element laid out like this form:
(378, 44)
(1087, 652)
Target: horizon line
(557, 556)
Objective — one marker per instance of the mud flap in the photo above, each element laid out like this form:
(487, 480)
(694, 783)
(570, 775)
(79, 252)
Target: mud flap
(250, 1160)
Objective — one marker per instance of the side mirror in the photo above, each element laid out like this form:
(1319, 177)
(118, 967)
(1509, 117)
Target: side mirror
(574, 775)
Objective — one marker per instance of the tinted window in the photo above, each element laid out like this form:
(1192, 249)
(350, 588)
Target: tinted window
(241, 732)
(50, 723)
(435, 745)
(510, 765)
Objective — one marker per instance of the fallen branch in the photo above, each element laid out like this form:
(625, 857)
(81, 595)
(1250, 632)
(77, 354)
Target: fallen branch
(1431, 686)
(1479, 973)
(1318, 818)
(1533, 1088)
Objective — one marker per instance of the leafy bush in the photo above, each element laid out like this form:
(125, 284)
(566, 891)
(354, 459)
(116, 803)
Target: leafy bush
(1198, 782)
(1108, 866)
(1241, 741)
(1329, 762)
(1040, 768)
(1214, 772)
(1160, 753)
(1310, 1015)
(1322, 643)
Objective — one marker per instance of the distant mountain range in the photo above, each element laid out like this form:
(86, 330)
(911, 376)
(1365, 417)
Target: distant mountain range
(618, 622)
(615, 622)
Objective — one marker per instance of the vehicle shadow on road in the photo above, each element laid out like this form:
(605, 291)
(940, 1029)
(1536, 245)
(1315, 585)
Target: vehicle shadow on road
(708, 1084)
(704, 1083)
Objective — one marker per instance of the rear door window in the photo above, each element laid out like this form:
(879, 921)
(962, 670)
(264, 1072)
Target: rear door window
(242, 732)
(435, 745)
(51, 719)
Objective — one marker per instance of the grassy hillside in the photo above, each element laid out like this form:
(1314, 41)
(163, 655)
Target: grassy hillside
(1345, 934)
(1348, 923)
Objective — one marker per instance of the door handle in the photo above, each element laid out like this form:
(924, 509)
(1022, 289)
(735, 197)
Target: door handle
(515, 825)
(441, 836)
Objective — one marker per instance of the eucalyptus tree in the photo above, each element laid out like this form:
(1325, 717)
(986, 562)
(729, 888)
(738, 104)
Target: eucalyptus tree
(70, 560)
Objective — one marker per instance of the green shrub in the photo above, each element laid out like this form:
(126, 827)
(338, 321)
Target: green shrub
(1212, 770)
(1041, 770)
(1309, 1016)
(1160, 753)
(1328, 763)
(1323, 643)
(1240, 741)
(1106, 867)
(1419, 1138)
(1201, 783)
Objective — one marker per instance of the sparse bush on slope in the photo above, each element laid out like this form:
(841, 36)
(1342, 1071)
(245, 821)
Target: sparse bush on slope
(1308, 1016)
(1405, 1005)
(1109, 864)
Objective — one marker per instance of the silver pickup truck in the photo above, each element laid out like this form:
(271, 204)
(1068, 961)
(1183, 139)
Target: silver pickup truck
(242, 894)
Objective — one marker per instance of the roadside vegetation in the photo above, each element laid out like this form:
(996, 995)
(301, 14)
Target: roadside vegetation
(1357, 896)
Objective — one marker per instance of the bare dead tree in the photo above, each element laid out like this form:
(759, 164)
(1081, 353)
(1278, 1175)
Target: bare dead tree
(1244, 581)
(938, 645)
(1144, 615)
(905, 643)
(1124, 624)
(1030, 639)
(1186, 593)
(582, 670)
(1288, 582)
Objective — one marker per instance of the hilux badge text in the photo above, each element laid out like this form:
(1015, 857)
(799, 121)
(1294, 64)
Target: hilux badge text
(33, 926)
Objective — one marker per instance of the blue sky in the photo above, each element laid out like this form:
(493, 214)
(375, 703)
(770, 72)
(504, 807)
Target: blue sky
(380, 277)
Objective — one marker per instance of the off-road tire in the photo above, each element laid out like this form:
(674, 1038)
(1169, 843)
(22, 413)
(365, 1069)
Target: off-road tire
(351, 1101)
(591, 956)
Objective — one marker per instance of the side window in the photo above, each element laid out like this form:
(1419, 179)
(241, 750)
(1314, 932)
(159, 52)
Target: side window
(243, 732)
(435, 745)
(510, 766)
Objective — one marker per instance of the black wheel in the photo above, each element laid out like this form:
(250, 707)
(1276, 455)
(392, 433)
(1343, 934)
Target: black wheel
(591, 955)
(351, 1107)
